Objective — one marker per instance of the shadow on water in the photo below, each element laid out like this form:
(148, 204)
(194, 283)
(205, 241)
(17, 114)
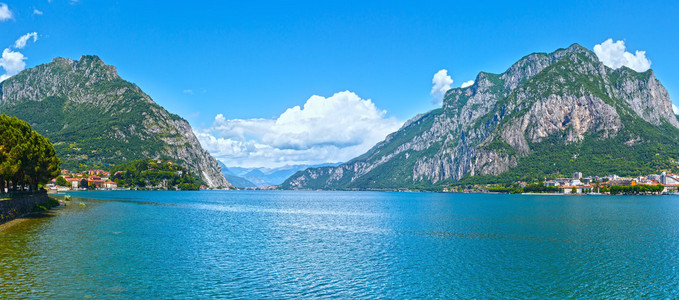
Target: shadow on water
(131, 200)
(39, 215)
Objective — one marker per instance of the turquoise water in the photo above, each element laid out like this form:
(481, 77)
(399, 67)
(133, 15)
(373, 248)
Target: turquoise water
(257, 244)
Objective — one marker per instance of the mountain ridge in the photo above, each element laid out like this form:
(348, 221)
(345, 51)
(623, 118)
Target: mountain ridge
(567, 98)
(92, 115)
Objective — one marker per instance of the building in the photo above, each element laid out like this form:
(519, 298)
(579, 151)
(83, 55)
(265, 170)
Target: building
(654, 177)
(578, 189)
(668, 178)
(577, 175)
(110, 185)
(562, 181)
(97, 172)
(74, 182)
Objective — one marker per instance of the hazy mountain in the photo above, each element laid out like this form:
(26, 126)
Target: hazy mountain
(234, 179)
(92, 116)
(270, 176)
(547, 115)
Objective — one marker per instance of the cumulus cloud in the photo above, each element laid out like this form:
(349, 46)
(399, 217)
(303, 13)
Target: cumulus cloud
(467, 84)
(614, 55)
(675, 109)
(5, 12)
(441, 83)
(37, 12)
(332, 129)
(13, 62)
(21, 42)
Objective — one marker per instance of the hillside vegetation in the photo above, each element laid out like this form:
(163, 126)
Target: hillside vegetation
(548, 115)
(153, 174)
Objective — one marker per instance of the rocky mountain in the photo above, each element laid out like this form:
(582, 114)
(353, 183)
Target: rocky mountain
(93, 116)
(546, 116)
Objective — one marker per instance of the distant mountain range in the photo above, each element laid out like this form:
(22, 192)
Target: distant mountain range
(548, 115)
(260, 177)
(92, 116)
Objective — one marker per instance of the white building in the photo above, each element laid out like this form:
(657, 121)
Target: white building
(668, 179)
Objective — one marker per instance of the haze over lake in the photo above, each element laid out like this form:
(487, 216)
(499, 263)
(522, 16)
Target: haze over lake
(344, 244)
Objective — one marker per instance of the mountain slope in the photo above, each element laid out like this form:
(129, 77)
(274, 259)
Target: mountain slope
(261, 177)
(92, 116)
(234, 179)
(548, 114)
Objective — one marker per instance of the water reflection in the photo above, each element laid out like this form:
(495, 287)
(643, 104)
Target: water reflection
(344, 244)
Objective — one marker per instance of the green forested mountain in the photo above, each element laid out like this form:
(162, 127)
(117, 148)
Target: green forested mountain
(547, 115)
(94, 116)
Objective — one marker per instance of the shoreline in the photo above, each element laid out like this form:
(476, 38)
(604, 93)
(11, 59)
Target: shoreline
(23, 218)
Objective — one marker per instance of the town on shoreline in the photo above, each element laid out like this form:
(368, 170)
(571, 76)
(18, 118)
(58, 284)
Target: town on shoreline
(137, 175)
(655, 184)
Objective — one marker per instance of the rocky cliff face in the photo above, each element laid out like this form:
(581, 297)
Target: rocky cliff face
(567, 99)
(93, 116)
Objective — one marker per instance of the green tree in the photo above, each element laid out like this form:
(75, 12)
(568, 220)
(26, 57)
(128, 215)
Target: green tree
(61, 181)
(27, 159)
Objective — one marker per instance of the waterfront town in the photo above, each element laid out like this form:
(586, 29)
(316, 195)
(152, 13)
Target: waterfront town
(662, 183)
(95, 179)
(145, 174)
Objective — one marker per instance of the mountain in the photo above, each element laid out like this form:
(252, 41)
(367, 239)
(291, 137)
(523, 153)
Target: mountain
(260, 177)
(93, 116)
(234, 179)
(548, 115)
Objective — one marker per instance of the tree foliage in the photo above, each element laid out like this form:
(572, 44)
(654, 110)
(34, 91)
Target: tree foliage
(150, 174)
(636, 189)
(27, 159)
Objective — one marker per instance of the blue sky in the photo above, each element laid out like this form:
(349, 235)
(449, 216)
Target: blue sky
(253, 60)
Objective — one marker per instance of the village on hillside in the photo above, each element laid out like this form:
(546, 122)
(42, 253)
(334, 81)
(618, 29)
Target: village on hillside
(662, 183)
(152, 174)
(85, 180)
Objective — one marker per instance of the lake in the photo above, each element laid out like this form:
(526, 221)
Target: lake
(284, 244)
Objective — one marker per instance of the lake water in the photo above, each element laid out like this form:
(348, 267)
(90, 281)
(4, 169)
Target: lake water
(261, 244)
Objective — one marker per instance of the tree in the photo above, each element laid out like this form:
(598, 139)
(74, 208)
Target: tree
(27, 159)
(61, 181)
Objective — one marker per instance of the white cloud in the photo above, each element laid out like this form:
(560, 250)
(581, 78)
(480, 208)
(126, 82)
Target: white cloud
(37, 12)
(332, 129)
(13, 62)
(5, 12)
(614, 55)
(441, 84)
(21, 42)
(675, 109)
(467, 84)
(187, 91)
